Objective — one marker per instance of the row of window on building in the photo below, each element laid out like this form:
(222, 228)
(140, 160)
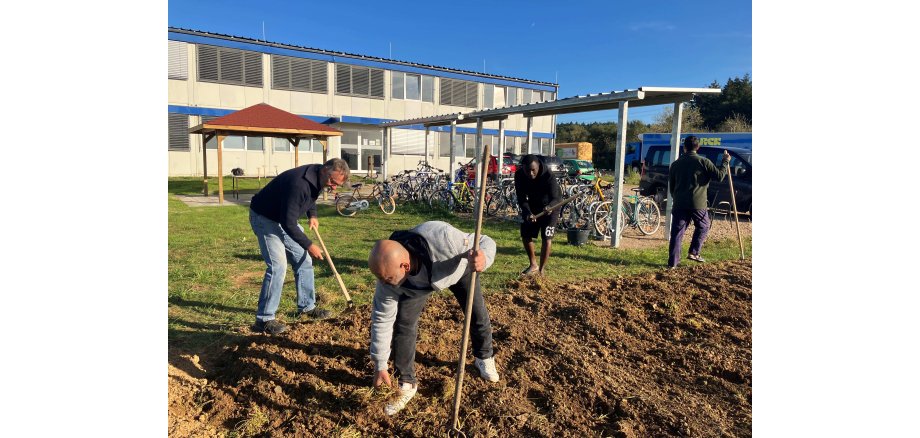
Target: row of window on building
(354, 140)
(241, 67)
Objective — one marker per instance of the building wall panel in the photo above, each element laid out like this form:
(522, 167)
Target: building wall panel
(207, 94)
(178, 92)
(232, 96)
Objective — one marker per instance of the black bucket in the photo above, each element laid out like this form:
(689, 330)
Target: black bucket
(577, 237)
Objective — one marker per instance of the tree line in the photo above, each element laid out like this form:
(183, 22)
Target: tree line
(729, 111)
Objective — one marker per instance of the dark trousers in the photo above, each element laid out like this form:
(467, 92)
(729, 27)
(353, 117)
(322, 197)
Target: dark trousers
(680, 220)
(480, 325)
(405, 329)
(405, 334)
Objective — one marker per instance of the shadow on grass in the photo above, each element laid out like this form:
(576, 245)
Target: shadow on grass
(249, 256)
(182, 302)
(185, 186)
(343, 265)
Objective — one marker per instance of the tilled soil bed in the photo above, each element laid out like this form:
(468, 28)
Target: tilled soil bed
(660, 354)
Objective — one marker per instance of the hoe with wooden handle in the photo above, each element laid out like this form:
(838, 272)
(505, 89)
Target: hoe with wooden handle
(332, 265)
(454, 430)
(549, 209)
(731, 188)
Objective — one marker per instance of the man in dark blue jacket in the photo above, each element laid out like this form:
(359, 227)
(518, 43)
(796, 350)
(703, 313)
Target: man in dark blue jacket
(273, 215)
(536, 189)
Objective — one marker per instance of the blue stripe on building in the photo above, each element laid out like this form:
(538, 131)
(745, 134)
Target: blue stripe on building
(199, 111)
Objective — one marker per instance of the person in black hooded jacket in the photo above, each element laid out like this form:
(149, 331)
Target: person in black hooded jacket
(536, 189)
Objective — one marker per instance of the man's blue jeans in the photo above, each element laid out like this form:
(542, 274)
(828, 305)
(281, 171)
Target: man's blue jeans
(277, 250)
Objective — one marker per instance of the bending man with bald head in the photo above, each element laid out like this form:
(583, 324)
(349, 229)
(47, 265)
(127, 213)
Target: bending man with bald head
(409, 266)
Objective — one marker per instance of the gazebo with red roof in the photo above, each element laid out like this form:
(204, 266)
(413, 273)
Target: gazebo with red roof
(260, 119)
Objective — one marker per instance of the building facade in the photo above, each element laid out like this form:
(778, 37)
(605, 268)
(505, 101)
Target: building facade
(211, 75)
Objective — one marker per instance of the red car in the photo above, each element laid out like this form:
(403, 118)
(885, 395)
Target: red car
(472, 167)
(509, 166)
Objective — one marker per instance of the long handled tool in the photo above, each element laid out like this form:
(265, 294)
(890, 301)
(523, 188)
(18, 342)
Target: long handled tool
(731, 188)
(549, 209)
(332, 265)
(454, 420)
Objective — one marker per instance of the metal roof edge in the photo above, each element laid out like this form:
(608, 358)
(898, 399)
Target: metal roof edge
(356, 56)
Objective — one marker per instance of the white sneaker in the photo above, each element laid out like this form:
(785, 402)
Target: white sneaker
(406, 392)
(486, 368)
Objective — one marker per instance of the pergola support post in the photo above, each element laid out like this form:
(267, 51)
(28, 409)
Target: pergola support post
(453, 135)
(675, 150)
(384, 156)
(530, 136)
(613, 220)
(480, 178)
(501, 141)
(426, 144)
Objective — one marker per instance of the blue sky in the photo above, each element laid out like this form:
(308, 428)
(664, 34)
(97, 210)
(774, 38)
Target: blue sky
(590, 46)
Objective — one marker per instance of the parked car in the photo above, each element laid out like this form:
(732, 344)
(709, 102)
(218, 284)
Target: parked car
(654, 181)
(581, 169)
(472, 167)
(509, 165)
(554, 164)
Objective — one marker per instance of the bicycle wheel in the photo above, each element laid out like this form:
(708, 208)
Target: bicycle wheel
(566, 216)
(387, 204)
(343, 205)
(602, 219)
(494, 203)
(442, 200)
(466, 201)
(648, 216)
(626, 214)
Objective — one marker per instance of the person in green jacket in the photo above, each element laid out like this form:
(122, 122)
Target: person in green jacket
(688, 179)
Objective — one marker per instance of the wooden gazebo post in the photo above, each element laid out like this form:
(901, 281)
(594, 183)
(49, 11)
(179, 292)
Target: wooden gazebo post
(296, 142)
(324, 143)
(220, 167)
(204, 159)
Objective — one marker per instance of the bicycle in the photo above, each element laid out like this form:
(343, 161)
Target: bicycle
(636, 211)
(350, 204)
(502, 199)
(720, 213)
(454, 196)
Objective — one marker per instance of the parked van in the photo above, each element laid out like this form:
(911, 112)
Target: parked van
(654, 181)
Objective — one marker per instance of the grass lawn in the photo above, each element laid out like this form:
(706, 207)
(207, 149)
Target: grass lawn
(215, 269)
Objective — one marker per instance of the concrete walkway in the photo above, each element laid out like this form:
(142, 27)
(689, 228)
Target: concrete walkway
(229, 199)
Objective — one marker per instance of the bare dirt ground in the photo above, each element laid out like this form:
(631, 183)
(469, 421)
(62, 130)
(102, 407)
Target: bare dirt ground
(658, 354)
(721, 229)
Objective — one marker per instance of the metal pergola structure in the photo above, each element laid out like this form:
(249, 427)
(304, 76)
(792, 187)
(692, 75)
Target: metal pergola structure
(621, 100)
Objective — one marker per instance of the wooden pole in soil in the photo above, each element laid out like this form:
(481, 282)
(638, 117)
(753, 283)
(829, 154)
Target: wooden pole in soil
(731, 188)
(454, 421)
